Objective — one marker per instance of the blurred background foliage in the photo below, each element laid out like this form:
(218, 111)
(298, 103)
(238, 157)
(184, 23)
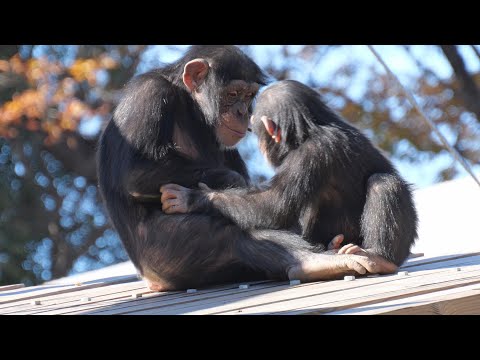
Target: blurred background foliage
(54, 101)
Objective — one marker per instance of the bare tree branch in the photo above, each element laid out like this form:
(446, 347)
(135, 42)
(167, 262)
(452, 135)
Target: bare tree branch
(476, 51)
(469, 90)
(422, 67)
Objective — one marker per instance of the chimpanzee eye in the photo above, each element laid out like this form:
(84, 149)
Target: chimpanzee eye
(232, 94)
(249, 95)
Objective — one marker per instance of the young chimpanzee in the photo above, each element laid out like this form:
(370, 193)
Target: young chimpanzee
(179, 124)
(329, 180)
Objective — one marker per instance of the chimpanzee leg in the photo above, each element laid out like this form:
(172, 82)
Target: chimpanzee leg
(304, 261)
(389, 219)
(181, 251)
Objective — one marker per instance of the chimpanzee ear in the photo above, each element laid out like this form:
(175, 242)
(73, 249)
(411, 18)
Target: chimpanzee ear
(273, 129)
(194, 73)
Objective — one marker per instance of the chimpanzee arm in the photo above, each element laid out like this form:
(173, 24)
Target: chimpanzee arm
(144, 181)
(222, 178)
(146, 119)
(296, 183)
(234, 161)
(232, 174)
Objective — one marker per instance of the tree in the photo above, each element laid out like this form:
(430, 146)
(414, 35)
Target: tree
(55, 99)
(51, 99)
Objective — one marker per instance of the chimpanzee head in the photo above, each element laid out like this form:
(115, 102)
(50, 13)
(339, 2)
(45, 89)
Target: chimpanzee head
(223, 81)
(285, 115)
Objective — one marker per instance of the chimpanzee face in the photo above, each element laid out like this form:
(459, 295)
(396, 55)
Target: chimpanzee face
(235, 107)
(227, 107)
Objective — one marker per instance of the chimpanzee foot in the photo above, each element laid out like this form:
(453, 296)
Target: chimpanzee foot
(381, 265)
(318, 267)
(157, 285)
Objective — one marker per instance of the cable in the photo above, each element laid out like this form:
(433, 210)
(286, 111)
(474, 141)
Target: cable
(430, 123)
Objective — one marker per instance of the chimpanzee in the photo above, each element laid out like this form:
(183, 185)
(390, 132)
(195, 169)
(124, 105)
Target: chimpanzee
(179, 124)
(329, 180)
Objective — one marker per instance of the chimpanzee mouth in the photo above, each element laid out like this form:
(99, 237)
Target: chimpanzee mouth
(236, 132)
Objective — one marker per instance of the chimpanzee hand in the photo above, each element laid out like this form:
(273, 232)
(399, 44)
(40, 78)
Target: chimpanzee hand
(352, 249)
(177, 199)
(382, 265)
(334, 246)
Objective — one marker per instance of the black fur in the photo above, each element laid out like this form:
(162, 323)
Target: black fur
(136, 155)
(329, 180)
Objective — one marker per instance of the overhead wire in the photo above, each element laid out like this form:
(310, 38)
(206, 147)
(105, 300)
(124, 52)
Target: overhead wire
(457, 156)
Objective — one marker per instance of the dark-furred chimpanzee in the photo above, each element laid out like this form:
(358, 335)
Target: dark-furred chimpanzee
(178, 124)
(329, 180)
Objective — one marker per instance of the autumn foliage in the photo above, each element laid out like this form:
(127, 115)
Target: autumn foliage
(50, 103)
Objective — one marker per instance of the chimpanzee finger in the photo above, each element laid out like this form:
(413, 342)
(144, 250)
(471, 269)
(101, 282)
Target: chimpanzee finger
(170, 210)
(168, 203)
(336, 242)
(173, 206)
(170, 194)
(357, 266)
(165, 187)
(172, 187)
(354, 249)
(366, 262)
(344, 248)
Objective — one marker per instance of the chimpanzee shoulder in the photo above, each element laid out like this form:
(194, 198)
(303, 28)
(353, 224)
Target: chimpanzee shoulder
(150, 108)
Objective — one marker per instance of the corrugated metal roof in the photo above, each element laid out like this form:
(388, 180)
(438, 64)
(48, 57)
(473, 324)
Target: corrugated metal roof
(449, 237)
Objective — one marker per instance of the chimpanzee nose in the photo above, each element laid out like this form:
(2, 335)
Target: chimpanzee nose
(242, 110)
